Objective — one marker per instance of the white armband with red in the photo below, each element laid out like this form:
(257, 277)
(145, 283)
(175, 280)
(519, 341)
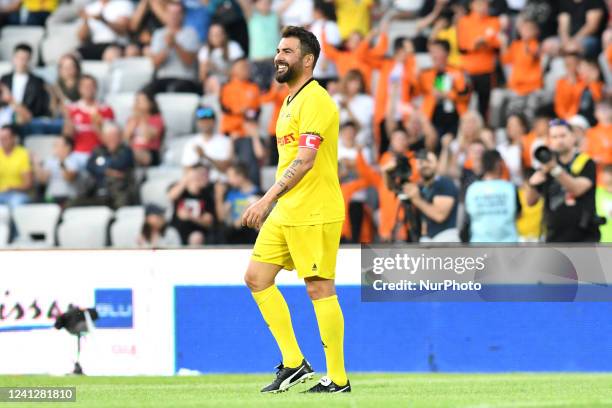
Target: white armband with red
(310, 141)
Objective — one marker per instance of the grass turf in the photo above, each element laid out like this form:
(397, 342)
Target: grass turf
(369, 390)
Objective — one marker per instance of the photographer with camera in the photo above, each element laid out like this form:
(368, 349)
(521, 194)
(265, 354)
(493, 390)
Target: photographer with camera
(431, 203)
(566, 180)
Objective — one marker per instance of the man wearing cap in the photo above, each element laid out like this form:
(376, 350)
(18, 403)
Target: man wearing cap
(208, 147)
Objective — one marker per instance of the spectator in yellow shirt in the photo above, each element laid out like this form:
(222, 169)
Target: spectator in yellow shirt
(15, 169)
(353, 16)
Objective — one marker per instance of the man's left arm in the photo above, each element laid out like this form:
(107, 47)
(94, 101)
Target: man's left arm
(438, 210)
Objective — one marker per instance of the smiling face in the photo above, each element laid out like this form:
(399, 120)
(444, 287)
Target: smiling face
(289, 62)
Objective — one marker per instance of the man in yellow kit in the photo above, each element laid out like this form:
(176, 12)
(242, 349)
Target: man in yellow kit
(303, 230)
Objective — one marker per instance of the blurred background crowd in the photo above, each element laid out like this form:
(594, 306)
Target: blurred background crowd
(152, 123)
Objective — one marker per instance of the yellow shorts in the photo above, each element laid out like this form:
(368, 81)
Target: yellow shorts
(311, 249)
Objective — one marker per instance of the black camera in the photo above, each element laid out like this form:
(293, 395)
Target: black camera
(74, 320)
(543, 154)
(400, 174)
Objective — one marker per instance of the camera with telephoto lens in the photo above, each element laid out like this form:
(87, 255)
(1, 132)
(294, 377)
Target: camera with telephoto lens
(543, 154)
(400, 174)
(74, 320)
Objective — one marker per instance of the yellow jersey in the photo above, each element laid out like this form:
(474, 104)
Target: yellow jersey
(12, 168)
(309, 120)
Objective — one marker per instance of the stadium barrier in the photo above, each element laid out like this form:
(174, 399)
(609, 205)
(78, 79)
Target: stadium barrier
(185, 311)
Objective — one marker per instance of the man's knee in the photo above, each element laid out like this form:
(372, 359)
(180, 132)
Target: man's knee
(318, 288)
(258, 279)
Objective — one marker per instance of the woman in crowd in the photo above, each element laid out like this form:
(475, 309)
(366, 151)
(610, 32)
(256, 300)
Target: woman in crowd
(66, 89)
(144, 130)
(217, 55)
(356, 106)
(155, 231)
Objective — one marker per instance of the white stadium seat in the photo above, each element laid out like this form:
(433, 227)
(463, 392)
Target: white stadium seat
(124, 233)
(156, 192)
(174, 150)
(33, 219)
(5, 67)
(53, 47)
(122, 104)
(5, 219)
(99, 70)
(84, 227)
(178, 111)
(130, 74)
(174, 172)
(96, 213)
(7, 45)
(131, 212)
(40, 146)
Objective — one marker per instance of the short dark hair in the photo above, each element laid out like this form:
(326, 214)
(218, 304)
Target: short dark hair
(349, 123)
(89, 77)
(522, 118)
(69, 142)
(23, 47)
(442, 43)
(11, 128)
(490, 160)
(398, 43)
(241, 169)
(308, 42)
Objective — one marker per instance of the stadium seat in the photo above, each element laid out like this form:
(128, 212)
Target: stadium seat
(82, 234)
(84, 227)
(132, 212)
(48, 73)
(40, 146)
(268, 176)
(96, 213)
(606, 69)
(174, 150)
(155, 173)
(556, 72)
(155, 191)
(63, 30)
(124, 233)
(122, 104)
(5, 67)
(4, 235)
(130, 74)
(5, 214)
(53, 47)
(99, 70)
(22, 32)
(34, 219)
(178, 110)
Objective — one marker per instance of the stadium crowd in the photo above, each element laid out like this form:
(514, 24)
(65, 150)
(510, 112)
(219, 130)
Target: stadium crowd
(443, 105)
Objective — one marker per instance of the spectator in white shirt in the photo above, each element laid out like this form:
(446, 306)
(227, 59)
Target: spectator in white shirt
(356, 105)
(294, 12)
(173, 51)
(217, 56)
(208, 147)
(104, 29)
(59, 173)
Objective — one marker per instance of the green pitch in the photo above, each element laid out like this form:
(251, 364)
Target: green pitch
(369, 390)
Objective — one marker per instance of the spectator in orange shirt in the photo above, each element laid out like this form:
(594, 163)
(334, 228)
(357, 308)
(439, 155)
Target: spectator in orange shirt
(444, 89)
(396, 83)
(238, 96)
(526, 78)
(599, 138)
(478, 36)
(355, 53)
(390, 211)
(577, 91)
(276, 95)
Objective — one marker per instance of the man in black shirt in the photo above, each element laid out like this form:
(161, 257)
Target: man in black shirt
(583, 22)
(193, 201)
(436, 200)
(567, 183)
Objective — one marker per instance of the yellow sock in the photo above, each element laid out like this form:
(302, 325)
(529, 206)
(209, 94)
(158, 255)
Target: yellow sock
(275, 312)
(331, 328)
